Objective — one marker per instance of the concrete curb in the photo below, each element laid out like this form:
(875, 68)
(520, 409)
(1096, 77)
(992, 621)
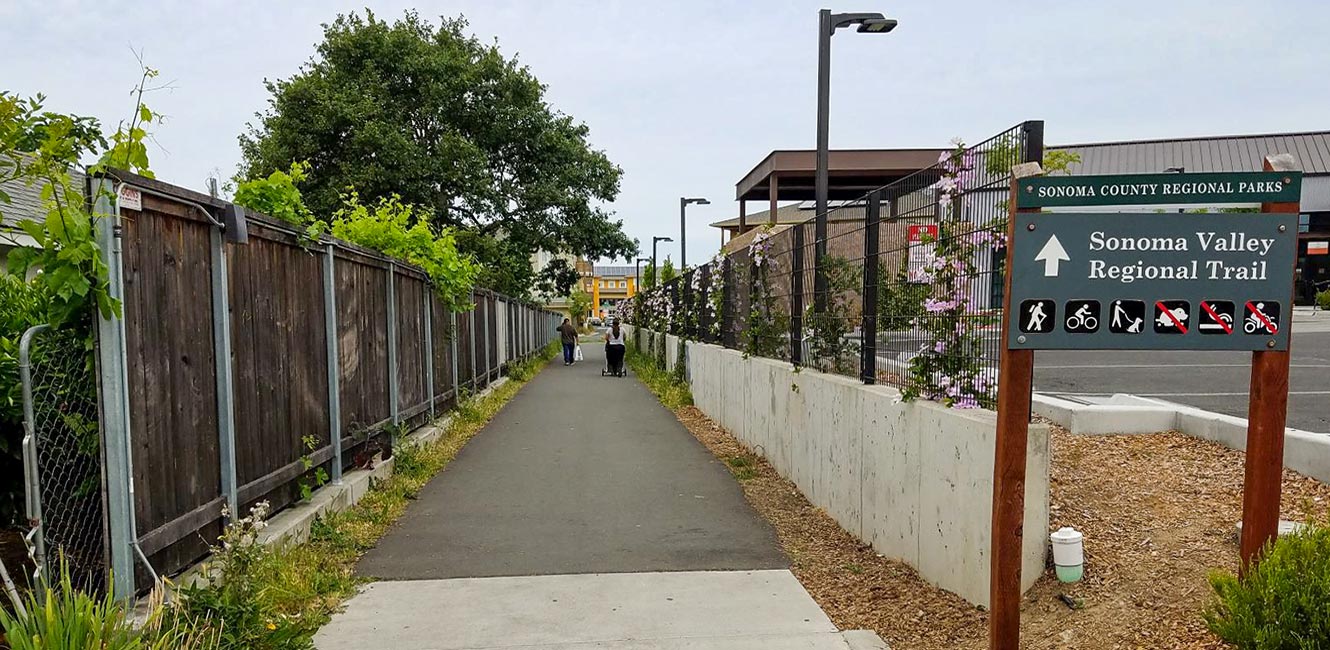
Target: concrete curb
(1305, 452)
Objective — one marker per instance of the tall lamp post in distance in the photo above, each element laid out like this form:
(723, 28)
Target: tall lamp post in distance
(827, 24)
(683, 229)
(637, 288)
(655, 268)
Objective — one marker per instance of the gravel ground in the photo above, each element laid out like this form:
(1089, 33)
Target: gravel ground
(1158, 512)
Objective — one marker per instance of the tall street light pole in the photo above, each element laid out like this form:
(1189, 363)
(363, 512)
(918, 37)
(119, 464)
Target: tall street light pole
(655, 268)
(827, 24)
(683, 229)
(637, 287)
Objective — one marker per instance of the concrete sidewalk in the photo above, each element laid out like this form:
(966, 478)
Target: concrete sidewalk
(732, 610)
(584, 516)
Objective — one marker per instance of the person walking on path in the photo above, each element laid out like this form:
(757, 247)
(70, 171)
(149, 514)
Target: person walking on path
(615, 348)
(568, 335)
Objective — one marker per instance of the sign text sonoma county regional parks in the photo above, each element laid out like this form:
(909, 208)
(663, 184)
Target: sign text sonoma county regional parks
(1148, 189)
(1195, 269)
(1136, 280)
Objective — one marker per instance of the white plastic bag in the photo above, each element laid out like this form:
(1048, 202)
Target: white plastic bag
(577, 353)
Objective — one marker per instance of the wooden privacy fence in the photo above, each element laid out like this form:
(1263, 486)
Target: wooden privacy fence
(240, 369)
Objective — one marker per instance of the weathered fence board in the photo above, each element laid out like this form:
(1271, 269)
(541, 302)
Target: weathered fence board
(278, 361)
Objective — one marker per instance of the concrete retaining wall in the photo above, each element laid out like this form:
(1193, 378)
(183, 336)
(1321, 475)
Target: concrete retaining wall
(915, 480)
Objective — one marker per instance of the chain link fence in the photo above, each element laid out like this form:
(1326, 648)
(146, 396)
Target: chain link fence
(62, 455)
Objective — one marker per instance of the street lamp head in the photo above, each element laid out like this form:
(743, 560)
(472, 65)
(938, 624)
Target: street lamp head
(656, 239)
(877, 25)
(860, 18)
(698, 201)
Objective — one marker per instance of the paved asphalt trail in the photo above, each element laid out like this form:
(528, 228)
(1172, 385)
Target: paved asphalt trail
(578, 474)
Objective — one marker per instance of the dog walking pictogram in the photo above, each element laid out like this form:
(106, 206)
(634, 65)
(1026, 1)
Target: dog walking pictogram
(1261, 318)
(1127, 317)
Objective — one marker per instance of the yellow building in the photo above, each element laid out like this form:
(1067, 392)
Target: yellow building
(607, 286)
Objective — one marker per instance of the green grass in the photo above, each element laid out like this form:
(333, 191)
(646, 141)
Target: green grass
(744, 467)
(297, 588)
(673, 392)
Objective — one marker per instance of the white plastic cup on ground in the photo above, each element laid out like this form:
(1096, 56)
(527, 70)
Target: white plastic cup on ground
(1068, 554)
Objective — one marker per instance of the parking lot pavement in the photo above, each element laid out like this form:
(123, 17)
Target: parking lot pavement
(1214, 381)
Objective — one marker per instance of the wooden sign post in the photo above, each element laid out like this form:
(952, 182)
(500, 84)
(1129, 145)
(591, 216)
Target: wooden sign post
(1267, 411)
(1059, 265)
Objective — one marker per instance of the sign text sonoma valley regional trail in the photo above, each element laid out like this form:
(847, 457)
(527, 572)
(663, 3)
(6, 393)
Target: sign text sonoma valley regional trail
(1152, 281)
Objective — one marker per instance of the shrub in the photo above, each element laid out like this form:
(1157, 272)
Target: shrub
(242, 592)
(1323, 299)
(1282, 603)
(67, 617)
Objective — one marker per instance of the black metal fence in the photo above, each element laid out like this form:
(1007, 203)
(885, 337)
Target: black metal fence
(911, 281)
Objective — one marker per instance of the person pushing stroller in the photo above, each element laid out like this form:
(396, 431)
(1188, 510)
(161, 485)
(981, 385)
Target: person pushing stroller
(614, 350)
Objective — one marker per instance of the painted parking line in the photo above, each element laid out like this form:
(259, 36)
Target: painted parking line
(1039, 366)
(1294, 392)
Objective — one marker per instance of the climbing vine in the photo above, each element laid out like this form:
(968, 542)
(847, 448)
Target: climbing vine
(768, 326)
(950, 364)
(716, 295)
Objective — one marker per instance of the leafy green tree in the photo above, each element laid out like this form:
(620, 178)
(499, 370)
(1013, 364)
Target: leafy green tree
(442, 120)
(399, 230)
(579, 305)
(668, 272)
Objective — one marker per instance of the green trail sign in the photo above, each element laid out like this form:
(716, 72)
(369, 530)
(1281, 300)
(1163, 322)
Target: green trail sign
(1149, 189)
(1152, 281)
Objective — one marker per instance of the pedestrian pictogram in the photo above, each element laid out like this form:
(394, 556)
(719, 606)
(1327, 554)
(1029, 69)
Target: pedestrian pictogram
(1127, 317)
(1172, 316)
(1082, 316)
(1216, 317)
(1261, 317)
(1037, 316)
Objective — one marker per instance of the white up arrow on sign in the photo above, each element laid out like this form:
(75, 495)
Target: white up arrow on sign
(1051, 255)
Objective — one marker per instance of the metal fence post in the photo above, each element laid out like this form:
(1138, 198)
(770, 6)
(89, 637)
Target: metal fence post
(452, 356)
(471, 351)
(489, 336)
(797, 297)
(31, 472)
(114, 392)
(868, 336)
(221, 345)
(334, 361)
(392, 345)
(429, 348)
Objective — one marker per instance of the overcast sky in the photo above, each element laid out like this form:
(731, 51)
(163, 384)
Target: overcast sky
(687, 96)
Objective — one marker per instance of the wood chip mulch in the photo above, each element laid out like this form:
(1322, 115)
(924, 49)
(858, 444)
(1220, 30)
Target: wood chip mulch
(1158, 513)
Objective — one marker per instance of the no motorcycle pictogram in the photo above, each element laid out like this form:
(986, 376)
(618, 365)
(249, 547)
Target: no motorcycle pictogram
(1261, 318)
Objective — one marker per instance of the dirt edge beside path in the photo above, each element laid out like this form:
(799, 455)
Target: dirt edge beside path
(1158, 512)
